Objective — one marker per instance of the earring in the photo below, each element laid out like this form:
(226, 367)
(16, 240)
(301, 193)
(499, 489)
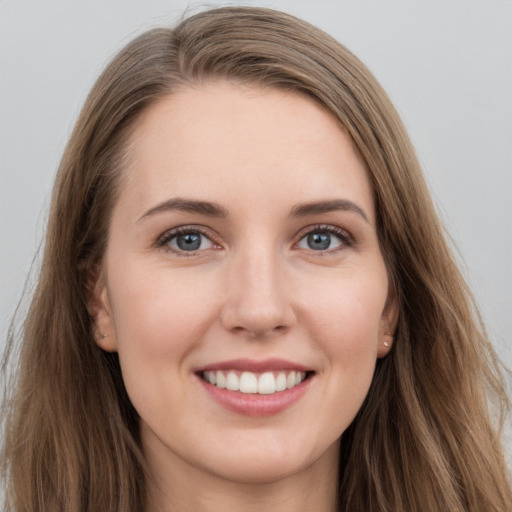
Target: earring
(101, 336)
(386, 344)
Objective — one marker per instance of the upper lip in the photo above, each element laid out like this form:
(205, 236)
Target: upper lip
(250, 365)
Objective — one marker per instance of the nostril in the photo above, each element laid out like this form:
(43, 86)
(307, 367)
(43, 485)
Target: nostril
(261, 333)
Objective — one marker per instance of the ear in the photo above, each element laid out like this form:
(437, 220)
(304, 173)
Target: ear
(388, 323)
(101, 312)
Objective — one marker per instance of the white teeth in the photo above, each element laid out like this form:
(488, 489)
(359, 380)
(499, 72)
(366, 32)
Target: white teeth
(221, 380)
(266, 383)
(248, 383)
(281, 382)
(232, 382)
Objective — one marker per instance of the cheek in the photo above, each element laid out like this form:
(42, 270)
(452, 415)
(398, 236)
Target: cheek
(158, 322)
(347, 314)
(344, 320)
(158, 319)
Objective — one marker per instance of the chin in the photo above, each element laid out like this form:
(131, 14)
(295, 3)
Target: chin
(266, 466)
(259, 472)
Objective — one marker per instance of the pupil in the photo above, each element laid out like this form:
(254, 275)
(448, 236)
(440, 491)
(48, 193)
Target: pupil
(319, 241)
(189, 242)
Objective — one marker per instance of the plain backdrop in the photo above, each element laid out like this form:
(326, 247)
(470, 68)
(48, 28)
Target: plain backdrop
(446, 64)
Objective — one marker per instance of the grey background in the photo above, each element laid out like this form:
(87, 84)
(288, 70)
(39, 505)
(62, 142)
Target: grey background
(447, 65)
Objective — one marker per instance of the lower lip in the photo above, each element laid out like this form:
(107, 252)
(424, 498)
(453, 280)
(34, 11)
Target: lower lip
(255, 404)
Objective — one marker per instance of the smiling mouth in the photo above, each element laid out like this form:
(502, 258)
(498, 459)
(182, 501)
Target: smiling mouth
(266, 383)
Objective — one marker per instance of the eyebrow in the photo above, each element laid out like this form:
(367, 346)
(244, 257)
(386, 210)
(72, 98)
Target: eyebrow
(211, 209)
(332, 205)
(188, 205)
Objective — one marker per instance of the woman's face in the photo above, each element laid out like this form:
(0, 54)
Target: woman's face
(243, 251)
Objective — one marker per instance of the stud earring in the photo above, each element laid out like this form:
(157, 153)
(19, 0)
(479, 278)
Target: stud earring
(101, 336)
(386, 344)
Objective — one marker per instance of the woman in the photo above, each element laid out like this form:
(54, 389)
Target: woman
(246, 301)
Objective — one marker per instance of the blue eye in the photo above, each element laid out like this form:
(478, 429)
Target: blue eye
(322, 240)
(186, 241)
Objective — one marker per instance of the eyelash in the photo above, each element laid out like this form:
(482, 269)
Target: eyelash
(346, 239)
(164, 239)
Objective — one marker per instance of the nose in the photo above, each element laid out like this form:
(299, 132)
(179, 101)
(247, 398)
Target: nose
(258, 297)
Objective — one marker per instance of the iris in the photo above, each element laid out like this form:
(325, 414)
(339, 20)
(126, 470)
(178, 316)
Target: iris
(319, 241)
(189, 241)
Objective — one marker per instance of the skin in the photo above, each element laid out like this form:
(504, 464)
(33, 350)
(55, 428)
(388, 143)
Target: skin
(255, 289)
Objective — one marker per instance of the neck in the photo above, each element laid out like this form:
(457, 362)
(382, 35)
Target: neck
(184, 488)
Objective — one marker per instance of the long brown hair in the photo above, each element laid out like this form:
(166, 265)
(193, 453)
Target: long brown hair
(427, 437)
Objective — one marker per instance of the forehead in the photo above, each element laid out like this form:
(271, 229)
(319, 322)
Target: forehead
(224, 139)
